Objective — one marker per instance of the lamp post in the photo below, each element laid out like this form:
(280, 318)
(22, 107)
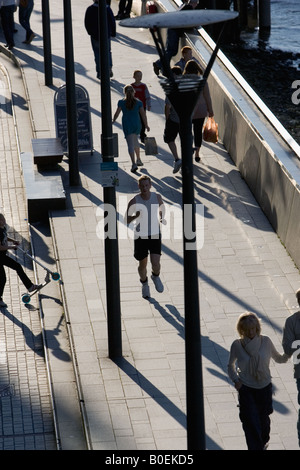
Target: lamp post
(183, 93)
(47, 43)
(109, 195)
(71, 98)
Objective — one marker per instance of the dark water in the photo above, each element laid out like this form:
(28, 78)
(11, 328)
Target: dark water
(285, 27)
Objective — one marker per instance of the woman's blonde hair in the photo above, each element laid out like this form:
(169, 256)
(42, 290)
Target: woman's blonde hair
(191, 67)
(247, 320)
(130, 100)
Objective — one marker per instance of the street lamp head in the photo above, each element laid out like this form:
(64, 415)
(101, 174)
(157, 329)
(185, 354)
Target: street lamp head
(179, 19)
(182, 84)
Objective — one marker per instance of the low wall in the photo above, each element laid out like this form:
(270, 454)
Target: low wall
(275, 186)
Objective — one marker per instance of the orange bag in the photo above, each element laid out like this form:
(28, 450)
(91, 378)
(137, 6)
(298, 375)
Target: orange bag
(210, 131)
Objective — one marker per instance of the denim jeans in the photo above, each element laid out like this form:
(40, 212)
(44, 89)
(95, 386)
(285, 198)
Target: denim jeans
(96, 50)
(8, 25)
(12, 264)
(255, 408)
(298, 423)
(24, 18)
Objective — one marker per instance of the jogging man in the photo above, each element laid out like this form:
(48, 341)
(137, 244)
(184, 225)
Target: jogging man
(146, 210)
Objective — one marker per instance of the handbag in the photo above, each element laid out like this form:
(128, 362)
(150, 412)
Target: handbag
(210, 131)
(24, 3)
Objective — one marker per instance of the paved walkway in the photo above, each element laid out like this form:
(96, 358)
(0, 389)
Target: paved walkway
(137, 402)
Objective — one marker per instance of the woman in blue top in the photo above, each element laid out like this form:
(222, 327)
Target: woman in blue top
(132, 109)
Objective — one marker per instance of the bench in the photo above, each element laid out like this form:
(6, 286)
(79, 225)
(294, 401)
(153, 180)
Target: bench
(47, 153)
(44, 190)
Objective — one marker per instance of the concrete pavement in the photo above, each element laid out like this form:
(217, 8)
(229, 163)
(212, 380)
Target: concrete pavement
(138, 401)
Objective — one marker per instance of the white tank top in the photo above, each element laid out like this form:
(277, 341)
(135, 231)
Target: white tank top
(147, 224)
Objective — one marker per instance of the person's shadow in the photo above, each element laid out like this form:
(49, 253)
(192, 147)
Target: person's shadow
(36, 342)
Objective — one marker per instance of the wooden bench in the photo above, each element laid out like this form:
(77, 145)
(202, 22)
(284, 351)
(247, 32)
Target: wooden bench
(47, 153)
(44, 190)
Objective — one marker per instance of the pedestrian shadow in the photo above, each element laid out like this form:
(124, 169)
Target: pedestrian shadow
(161, 399)
(124, 40)
(210, 349)
(36, 342)
(170, 314)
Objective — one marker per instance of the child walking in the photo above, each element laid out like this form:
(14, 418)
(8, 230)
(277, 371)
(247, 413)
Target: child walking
(142, 93)
(9, 262)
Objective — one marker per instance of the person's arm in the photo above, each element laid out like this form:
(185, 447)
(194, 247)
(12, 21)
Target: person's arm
(167, 110)
(208, 101)
(144, 118)
(231, 367)
(116, 115)
(148, 98)
(288, 337)
(111, 22)
(280, 358)
(6, 247)
(131, 214)
(162, 209)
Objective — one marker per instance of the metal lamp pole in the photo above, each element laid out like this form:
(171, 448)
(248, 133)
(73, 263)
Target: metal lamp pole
(183, 101)
(109, 193)
(47, 43)
(183, 93)
(71, 98)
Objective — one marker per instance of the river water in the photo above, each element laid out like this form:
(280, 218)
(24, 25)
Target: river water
(285, 27)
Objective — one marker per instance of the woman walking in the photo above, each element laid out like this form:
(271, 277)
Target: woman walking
(132, 110)
(249, 369)
(202, 109)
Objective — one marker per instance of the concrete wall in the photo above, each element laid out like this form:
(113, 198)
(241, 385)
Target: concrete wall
(276, 191)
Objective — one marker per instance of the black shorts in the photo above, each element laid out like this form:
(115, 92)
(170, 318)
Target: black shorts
(144, 246)
(171, 131)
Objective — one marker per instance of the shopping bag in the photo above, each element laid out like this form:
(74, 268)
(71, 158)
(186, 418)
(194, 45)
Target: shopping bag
(210, 131)
(150, 146)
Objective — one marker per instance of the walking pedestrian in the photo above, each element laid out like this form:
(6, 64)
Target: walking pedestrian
(147, 211)
(187, 54)
(124, 9)
(249, 369)
(291, 345)
(132, 110)
(7, 10)
(173, 35)
(141, 93)
(9, 262)
(91, 22)
(172, 126)
(202, 109)
(25, 10)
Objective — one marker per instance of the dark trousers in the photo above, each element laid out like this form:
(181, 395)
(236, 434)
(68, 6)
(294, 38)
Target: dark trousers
(197, 129)
(142, 133)
(255, 408)
(298, 423)
(96, 49)
(12, 264)
(8, 24)
(125, 7)
(24, 18)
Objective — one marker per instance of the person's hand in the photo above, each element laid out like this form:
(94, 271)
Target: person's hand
(147, 128)
(238, 385)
